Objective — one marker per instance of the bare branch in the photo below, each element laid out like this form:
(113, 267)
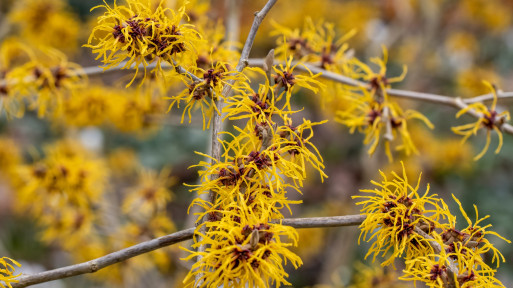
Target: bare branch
(317, 222)
(107, 260)
(148, 246)
(489, 97)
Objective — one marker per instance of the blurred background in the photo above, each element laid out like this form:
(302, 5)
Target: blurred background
(448, 46)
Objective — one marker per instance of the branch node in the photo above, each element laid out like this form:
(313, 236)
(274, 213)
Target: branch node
(94, 266)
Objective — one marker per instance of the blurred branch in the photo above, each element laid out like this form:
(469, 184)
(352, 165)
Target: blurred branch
(95, 70)
(164, 241)
(489, 97)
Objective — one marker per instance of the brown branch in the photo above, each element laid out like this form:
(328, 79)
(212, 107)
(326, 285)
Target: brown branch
(489, 97)
(148, 246)
(107, 260)
(323, 222)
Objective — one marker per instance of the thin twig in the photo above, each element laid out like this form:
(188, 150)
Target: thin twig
(107, 260)
(96, 70)
(148, 246)
(489, 97)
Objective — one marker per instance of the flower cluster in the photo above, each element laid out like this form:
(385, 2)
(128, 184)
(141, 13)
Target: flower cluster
(140, 33)
(315, 43)
(48, 22)
(43, 78)
(488, 118)
(250, 184)
(371, 111)
(6, 272)
(245, 249)
(422, 231)
(66, 192)
(62, 191)
(366, 108)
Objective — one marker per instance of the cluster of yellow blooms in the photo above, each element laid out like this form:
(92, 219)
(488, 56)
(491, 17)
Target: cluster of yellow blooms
(42, 77)
(141, 34)
(245, 245)
(49, 23)
(366, 108)
(66, 193)
(63, 191)
(419, 228)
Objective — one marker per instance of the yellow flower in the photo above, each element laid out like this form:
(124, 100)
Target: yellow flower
(90, 106)
(202, 94)
(245, 250)
(380, 119)
(141, 34)
(315, 44)
(136, 110)
(46, 22)
(452, 268)
(409, 226)
(150, 196)
(63, 191)
(489, 118)
(54, 77)
(378, 81)
(12, 76)
(394, 209)
(6, 272)
(472, 238)
(295, 140)
(42, 77)
(286, 79)
(251, 104)
(373, 113)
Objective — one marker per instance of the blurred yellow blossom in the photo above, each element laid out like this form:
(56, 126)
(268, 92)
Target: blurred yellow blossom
(375, 276)
(47, 22)
(469, 81)
(63, 191)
